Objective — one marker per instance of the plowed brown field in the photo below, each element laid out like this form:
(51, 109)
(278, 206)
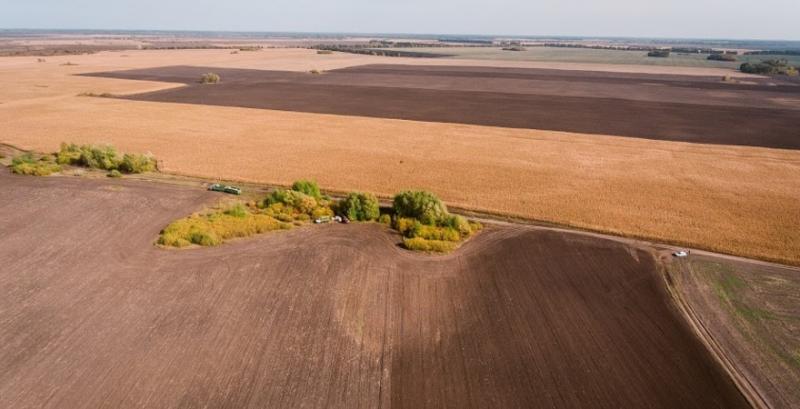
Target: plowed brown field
(675, 108)
(93, 315)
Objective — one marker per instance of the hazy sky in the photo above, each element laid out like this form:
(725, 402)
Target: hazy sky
(740, 19)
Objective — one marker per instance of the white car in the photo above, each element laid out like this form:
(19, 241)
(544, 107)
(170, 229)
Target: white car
(682, 253)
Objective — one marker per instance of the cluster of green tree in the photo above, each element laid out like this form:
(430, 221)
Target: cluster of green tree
(425, 223)
(421, 218)
(104, 158)
(89, 156)
(770, 67)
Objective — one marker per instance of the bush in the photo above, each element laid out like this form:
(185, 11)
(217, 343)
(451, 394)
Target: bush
(131, 163)
(434, 233)
(315, 71)
(321, 212)
(90, 156)
(437, 246)
(420, 205)
(104, 158)
(405, 225)
(385, 219)
(114, 174)
(210, 78)
(308, 187)
(324, 52)
(27, 164)
(297, 201)
(459, 224)
(360, 206)
(237, 210)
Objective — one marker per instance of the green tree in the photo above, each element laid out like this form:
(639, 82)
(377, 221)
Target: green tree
(360, 206)
(421, 205)
(308, 187)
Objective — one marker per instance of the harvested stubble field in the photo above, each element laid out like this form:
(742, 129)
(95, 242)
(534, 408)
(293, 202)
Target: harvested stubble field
(327, 316)
(734, 199)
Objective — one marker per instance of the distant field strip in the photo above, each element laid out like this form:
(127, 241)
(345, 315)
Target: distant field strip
(674, 108)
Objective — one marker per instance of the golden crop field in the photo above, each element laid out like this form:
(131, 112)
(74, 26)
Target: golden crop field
(739, 200)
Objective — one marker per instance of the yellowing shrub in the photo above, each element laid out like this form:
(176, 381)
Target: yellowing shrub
(435, 246)
(214, 228)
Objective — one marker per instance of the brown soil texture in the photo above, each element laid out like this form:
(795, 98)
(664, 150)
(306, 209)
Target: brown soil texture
(93, 315)
(758, 112)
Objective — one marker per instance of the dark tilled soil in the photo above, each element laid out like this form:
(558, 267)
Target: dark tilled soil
(92, 315)
(764, 112)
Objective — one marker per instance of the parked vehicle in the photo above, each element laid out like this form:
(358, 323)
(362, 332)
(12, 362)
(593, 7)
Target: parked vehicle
(337, 219)
(682, 253)
(323, 219)
(216, 187)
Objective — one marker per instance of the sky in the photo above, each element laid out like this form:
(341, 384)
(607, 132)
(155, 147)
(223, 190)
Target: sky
(736, 19)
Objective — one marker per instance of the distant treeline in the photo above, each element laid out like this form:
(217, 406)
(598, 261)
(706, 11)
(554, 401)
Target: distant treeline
(200, 47)
(688, 50)
(466, 41)
(384, 52)
(773, 52)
